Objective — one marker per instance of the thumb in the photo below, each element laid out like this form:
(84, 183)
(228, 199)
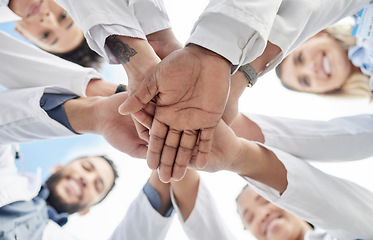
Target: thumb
(142, 95)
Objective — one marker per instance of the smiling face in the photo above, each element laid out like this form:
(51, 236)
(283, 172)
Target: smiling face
(266, 221)
(80, 184)
(319, 65)
(47, 25)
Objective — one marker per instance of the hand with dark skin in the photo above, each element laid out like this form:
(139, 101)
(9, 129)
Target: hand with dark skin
(190, 89)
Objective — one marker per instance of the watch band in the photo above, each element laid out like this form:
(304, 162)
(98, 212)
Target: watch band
(121, 88)
(250, 74)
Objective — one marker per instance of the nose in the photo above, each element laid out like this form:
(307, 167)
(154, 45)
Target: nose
(47, 19)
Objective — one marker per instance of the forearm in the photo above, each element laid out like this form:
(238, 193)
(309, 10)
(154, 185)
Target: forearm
(164, 42)
(163, 190)
(99, 87)
(185, 192)
(260, 164)
(239, 81)
(136, 55)
(244, 127)
(309, 187)
(81, 114)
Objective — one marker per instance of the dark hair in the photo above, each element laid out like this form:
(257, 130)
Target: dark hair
(115, 173)
(82, 55)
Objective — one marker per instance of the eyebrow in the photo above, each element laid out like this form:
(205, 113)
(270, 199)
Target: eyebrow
(295, 59)
(70, 25)
(55, 41)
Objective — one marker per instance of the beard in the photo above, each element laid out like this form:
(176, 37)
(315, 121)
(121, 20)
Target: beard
(55, 200)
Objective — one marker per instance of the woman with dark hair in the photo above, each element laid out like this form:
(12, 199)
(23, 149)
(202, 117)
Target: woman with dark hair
(50, 27)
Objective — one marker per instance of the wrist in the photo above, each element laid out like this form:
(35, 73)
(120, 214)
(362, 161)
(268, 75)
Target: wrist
(99, 87)
(270, 52)
(207, 55)
(81, 114)
(136, 56)
(240, 161)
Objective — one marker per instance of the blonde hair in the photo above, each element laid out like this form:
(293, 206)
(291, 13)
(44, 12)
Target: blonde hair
(357, 84)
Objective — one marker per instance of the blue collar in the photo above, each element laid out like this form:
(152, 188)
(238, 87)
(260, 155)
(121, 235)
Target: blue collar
(59, 218)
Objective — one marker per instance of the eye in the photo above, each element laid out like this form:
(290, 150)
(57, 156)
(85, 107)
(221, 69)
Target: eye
(300, 58)
(99, 186)
(63, 16)
(87, 166)
(306, 81)
(45, 36)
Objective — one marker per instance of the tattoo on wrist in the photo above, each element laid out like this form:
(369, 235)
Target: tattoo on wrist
(122, 51)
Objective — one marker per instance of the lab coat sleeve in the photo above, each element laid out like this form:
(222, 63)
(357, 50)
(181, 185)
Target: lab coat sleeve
(340, 207)
(204, 222)
(151, 14)
(22, 119)
(99, 19)
(238, 30)
(14, 186)
(296, 21)
(339, 139)
(53, 231)
(142, 221)
(23, 65)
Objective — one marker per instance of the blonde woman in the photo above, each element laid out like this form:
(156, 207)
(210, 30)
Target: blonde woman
(322, 64)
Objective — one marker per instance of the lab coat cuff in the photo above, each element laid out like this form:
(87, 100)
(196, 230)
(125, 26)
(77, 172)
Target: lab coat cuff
(152, 15)
(232, 38)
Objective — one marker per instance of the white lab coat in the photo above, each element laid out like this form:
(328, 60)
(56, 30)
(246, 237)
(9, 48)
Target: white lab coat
(204, 222)
(26, 66)
(142, 222)
(339, 209)
(236, 29)
(340, 139)
(343, 209)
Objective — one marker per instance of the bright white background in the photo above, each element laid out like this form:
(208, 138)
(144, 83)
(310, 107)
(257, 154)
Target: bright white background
(267, 97)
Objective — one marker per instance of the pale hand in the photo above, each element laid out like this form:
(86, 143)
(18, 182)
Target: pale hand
(100, 115)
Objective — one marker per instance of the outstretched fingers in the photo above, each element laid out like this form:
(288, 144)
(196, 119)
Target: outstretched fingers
(158, 136)
(184, 153)
(204, 147)
(169, 154)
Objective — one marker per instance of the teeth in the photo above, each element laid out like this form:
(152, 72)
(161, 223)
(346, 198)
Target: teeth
(75, 186)
(326, 65)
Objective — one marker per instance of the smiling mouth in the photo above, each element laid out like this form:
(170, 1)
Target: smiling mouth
(75, 187)
(326, 65)
(34, 9)
(268, 223)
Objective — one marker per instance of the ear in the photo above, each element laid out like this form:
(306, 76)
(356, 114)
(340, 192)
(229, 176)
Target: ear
(83, 212)
(20, 32)
(56, 168)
